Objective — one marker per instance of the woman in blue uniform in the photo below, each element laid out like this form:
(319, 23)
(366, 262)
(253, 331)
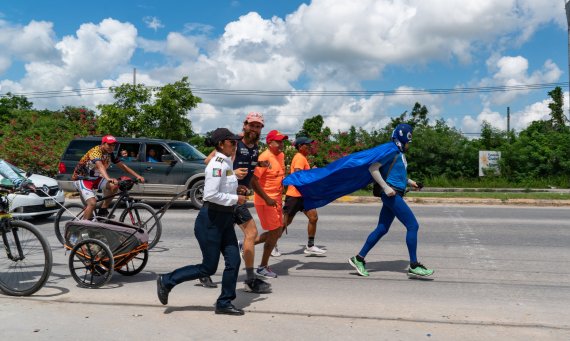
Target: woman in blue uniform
(214, 227)
(392, 177)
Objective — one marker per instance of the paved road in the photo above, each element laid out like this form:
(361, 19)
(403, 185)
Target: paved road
(501, 273)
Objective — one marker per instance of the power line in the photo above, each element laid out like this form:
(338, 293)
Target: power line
(304, 93)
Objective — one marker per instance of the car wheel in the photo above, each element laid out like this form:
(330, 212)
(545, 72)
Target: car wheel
(196, 194)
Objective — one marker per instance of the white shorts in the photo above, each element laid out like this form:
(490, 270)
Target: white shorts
(88, 188)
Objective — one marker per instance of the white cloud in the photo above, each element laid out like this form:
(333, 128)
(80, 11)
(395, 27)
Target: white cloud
(29, 43)
(180, 46)
(153, 23)
(324, 45)
(396, 32)
(537, 111)
(514, 71)
(473, 125)
(98, 50)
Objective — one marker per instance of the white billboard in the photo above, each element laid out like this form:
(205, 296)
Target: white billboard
(489, 162)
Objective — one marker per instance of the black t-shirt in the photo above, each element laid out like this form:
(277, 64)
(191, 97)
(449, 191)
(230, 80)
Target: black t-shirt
(246, 158)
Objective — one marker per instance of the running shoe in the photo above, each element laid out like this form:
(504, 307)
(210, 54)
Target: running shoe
(359, 266)
(257, 286)
(266, 272)
(275, 252)
(314, 251)
(418, 269)
(240, 246)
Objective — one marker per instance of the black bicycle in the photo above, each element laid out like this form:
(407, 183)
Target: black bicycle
(135, 213)
(28, 262)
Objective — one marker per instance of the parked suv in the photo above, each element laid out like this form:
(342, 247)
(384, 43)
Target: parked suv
(168, 166)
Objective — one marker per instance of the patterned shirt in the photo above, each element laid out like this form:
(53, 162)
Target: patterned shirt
(86, 169)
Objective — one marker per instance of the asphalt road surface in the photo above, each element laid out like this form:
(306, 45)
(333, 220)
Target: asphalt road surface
(500, 273)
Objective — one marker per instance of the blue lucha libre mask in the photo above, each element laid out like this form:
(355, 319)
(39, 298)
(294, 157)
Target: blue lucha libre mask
(401, 135)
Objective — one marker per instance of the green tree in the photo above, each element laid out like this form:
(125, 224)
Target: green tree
(418, 117)
(159, 112)
(491, 137)
(538, 152)
(557, 109)
(441, 150)
(10, 103)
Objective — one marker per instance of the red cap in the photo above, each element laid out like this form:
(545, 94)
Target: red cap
(254, 117)
(275, 135)
(109, 139)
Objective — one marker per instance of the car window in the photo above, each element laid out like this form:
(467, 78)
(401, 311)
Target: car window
(186, 151)
(128, 151)
(154, 152)
(78, 148)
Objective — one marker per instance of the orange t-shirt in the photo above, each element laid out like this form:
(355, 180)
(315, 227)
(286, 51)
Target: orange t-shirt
(270, 177)
(299, 162)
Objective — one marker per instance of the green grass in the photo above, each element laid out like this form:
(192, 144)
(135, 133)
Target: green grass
(497, 182)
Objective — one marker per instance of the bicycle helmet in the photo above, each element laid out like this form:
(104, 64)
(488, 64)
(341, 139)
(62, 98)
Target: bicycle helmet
(125, 183)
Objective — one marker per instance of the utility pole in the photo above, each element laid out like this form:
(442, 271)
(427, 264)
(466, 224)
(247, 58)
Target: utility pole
(508, 120)
(567, 5)
(134, 76)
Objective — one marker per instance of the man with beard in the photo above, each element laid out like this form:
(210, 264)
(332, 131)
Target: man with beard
(244, 163)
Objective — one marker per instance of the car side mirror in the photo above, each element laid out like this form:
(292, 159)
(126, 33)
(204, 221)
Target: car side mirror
(29, 173)
(169, 158)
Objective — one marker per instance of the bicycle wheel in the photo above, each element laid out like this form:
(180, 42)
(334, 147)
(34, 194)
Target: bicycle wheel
(134, 265)
(72, 211)
(27, 265)
(91, 263)
(144, 216)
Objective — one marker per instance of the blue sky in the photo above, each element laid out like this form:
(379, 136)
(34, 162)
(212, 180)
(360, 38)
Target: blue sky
(298, 47)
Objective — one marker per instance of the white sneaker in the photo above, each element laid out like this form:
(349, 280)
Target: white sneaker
(314, 251)
(275, 252)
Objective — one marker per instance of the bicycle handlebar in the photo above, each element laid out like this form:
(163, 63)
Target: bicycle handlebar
(15, 190)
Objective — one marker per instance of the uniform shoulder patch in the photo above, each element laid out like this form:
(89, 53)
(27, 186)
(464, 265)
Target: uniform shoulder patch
(217, 172)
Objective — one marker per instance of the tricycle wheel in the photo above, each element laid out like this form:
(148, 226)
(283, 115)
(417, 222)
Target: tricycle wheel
(91, 263)
(135, 265)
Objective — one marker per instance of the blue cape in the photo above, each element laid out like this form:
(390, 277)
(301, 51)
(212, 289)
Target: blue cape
(320, 186)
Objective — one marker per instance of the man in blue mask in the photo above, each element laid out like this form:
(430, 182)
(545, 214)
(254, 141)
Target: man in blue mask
(387, 166)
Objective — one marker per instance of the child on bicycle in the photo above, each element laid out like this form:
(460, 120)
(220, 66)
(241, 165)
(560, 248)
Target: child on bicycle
(91, 175)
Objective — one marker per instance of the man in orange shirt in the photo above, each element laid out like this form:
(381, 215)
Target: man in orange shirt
(267, 183)
(294, 200)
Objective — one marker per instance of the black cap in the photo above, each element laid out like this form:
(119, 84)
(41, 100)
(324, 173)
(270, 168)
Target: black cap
(222, 134)
(303, 140)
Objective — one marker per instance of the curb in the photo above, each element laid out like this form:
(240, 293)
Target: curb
(459, 201)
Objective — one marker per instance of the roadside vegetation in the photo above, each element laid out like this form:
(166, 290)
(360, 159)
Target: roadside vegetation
(441, 156)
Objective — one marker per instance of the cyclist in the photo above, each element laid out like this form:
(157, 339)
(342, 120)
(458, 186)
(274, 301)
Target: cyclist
(8, 173)
(90, 175)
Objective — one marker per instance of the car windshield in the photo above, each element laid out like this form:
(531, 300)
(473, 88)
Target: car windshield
(186, 151)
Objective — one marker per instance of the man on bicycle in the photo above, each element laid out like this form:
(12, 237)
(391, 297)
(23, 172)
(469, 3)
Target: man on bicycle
(91, 175)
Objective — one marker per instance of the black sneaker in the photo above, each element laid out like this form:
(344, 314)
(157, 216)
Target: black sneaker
(257, 286)
(161, 291)
(207, 282)
(104, 213)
